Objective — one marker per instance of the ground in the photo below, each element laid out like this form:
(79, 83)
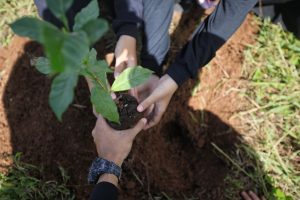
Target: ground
(174, 160)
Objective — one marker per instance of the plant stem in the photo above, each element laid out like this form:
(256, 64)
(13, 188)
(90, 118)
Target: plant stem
(66, 24)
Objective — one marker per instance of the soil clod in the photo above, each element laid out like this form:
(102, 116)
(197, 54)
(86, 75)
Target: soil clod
(127, 108)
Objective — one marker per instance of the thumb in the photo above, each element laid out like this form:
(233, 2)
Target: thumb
(138, 128)
(120, 66)
(101, 123)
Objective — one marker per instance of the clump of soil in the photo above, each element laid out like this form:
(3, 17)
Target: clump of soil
(127, 108)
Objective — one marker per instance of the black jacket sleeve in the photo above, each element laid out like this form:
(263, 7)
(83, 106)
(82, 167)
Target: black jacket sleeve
(208, 38)
(128, 17)
(105, 191)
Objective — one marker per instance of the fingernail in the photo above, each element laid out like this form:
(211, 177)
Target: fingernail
(140, 108)
(144, 120)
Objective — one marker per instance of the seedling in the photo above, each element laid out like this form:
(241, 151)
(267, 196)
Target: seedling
(68, 56)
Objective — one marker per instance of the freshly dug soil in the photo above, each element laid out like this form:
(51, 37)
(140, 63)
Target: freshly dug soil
(175, 158)
(127, 108)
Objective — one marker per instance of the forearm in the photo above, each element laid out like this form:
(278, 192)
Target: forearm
(209, 37)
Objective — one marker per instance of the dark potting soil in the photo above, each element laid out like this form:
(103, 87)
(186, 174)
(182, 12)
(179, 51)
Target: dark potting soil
(127, 108)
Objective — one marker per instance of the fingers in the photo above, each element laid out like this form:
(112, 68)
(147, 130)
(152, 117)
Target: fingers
(245, 196)
(166, 88)
(250, 196)
(113, 95)
(101, 124)
(155, 119)
(138, 127)
(95, 112)
(134, 92)
(94, 132)
(120, 66)
(148, 101)
(253, 196)
(149, 110)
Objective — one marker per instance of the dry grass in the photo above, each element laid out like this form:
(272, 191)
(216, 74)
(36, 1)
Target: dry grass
(9, 11)
(272, 68)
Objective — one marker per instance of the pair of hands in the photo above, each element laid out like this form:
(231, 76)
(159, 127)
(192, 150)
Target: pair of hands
(154, 95)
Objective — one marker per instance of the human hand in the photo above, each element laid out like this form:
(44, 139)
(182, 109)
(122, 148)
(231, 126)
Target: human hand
(143, 91)
(160, 98)
(251, 196)
(125, 54)
(114, 145)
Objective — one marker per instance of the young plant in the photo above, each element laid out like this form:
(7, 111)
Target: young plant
(68, 56)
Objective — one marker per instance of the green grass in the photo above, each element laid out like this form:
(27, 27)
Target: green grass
(272, 67)
(274, 64)
(9, 11)
(25, 182)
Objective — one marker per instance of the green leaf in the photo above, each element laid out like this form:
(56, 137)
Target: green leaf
(75, 49)
(29, 27)
(65, 50)
(130, 78)
(96, 70)
(95, 65)
(92, 57)
(101, 66)
(59, 8)
(100, 70)
(53, 43)
(280, 195)
(42, 64)
(90, 12)
(62, 92)
(95, 29)
(104, 104)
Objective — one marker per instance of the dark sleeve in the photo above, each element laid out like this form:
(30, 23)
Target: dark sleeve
(270, 2)
(216, 29)
(128, 17)
(105, 191)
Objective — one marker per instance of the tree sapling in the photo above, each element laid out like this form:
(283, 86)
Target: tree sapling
(68, 56)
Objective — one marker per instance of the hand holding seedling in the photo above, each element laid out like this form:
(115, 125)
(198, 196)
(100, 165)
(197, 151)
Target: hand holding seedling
(160, 98)
(144, 91)
(115, 145)
(125, 55)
